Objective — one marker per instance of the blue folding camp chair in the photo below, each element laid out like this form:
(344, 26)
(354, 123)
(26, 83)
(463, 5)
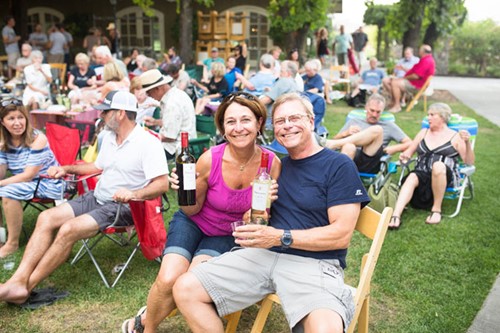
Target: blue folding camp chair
(458, 123)
(380, 188)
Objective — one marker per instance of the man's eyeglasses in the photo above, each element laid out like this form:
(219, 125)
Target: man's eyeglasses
(240, 94)
(13, 101)
(292, 119)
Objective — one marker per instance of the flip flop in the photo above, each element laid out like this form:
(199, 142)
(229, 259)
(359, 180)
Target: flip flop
(430, 216)
(394, 219)
(43, 297)
(138, 327)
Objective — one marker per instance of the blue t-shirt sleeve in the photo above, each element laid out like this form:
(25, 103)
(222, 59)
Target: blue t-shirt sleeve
(345, 186)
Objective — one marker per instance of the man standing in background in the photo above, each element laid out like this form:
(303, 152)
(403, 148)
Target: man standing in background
(360, 40)
(10, 41)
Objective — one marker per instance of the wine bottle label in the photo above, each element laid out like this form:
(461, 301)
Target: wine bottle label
(189, 176)
(260, 192)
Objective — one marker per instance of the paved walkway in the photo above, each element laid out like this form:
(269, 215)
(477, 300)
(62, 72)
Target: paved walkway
(483, 96)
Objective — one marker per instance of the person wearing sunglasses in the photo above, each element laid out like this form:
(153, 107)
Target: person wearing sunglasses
(223, 194)
(25, 154)
(301, 254)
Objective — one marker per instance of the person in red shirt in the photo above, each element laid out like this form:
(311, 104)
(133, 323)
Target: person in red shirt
(413, 80)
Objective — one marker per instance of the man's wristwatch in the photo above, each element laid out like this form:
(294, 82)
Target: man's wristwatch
(286, 239)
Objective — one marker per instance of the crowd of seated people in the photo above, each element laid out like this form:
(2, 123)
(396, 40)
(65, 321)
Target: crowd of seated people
(228, 168)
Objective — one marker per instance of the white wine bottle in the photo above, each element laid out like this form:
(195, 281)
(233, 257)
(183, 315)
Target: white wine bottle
(186, 170)
(260, 193)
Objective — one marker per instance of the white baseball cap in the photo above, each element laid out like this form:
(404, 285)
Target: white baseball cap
(118, 100)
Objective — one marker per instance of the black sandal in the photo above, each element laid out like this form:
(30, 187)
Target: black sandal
(395, 219)
(430, 216)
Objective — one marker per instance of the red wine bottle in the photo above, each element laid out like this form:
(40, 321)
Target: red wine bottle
(260, 193)
(186, 170)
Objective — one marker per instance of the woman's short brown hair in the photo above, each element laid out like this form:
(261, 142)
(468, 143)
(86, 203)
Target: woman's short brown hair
(5, 137)
(245, 99)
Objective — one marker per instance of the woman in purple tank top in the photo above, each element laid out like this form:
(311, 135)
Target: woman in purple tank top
(223, 194)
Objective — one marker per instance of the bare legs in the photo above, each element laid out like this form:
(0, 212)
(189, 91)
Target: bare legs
(438, 188)
(397, 88)
(370, 139)
(404, 198)
(160, 299)
(323, 321)
(44, 252)
(196, 306)
(13, 212)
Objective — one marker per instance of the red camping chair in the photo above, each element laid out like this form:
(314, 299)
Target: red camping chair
(65, 144)
(148, 226)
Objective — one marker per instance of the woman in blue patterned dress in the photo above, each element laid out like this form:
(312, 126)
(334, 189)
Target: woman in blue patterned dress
(24, 155)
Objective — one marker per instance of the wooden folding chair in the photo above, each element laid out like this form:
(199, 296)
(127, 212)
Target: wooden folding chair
(421, 92)
(340, 75)
(61, 71)
(371, 224)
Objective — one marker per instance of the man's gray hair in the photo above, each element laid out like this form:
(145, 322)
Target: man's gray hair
(376, 97)
(267, 60)
(103, 50)
(149, 63)
(291, 67)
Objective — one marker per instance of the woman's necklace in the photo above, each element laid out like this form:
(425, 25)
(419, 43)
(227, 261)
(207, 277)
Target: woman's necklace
(243, 166)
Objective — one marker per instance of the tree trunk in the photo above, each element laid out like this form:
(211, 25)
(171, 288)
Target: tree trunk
(297, 39)
(431, 35)
(411, 36)
(186, 32)
(379, 40)
(387, 46)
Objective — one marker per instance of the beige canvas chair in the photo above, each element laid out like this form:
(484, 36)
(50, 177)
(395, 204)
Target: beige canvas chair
(421, 92)
(371, 224)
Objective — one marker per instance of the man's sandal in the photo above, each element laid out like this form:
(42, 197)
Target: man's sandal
(429, 217)
(395, 219)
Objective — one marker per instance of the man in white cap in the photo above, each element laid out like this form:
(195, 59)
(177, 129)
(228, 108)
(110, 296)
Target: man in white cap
(132, 166)
(177, 110)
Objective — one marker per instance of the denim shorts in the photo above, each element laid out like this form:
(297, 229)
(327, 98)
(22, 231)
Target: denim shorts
(186, 239)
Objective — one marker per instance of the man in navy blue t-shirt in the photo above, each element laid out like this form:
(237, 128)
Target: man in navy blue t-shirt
(301, 255)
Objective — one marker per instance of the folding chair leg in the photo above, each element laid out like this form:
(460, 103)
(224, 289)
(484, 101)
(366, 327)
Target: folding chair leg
(260, 320)
(126, 265)
(364, 316)
(232, 322)
(465, 185)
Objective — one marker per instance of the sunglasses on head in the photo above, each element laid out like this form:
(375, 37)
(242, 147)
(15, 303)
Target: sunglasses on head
(13, 101)
(240, 94)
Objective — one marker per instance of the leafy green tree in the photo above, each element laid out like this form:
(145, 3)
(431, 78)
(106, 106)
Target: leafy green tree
(291, 20)
(476, 46)
(424, 21)
(376, 15)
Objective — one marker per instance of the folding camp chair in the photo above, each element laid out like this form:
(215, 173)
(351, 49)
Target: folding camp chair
(148, 226)
(425, 91)
(372, 225)
(465, 190)
(65, 144)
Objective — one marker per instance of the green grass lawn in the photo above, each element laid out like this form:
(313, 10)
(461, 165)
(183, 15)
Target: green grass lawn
(428, 278)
